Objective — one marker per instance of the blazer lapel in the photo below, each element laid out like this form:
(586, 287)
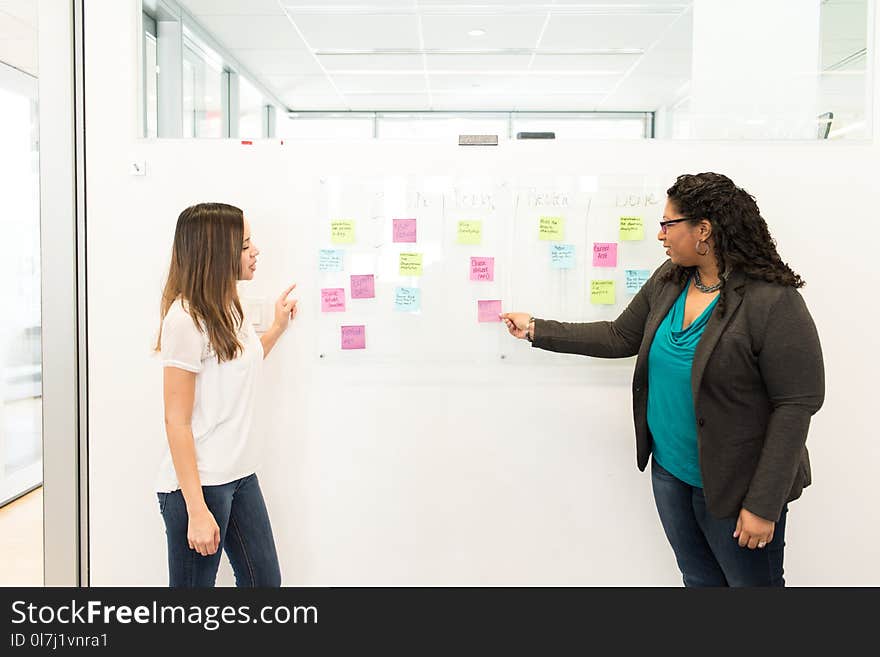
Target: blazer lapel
(714, 328)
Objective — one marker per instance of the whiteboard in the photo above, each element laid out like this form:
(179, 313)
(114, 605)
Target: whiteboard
(406, 262)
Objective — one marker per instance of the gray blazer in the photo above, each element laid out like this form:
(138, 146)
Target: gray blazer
(757, 378)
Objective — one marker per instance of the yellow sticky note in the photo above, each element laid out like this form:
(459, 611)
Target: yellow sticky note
(551, 229)
(410, 264)
(342, 231)
(632, 228)
(470, 232)
(602, 292)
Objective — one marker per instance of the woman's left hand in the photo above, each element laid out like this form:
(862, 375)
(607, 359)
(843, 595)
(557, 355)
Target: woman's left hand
(753, 531)
(285, 310)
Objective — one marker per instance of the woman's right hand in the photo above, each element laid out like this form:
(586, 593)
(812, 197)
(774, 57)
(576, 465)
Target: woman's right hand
(203, 533)
(516, 323)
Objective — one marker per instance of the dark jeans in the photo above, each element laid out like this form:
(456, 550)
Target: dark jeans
(245, 535)
(704, 546)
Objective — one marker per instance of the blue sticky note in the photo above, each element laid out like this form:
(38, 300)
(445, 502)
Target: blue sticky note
(562, 256)
(407, 299)
(330, 259)
(635, 278)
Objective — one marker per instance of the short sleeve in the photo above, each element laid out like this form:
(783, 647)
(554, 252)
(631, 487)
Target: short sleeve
(182, 342)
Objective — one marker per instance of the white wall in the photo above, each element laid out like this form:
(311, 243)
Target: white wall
(496, 474)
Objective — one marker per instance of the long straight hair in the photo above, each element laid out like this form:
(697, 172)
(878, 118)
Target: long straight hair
(205, 266)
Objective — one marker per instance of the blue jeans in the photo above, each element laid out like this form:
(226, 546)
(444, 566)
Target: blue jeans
(704, 546)
(245, 535)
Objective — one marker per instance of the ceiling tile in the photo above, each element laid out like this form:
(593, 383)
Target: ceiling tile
(372, 62)
(393, 84)
(256, 32)
(358, 31)
(502, 31)
(233, 7)
(302, 84)
(611, 63)
(478, 62)
(278, 62)
(604, 31)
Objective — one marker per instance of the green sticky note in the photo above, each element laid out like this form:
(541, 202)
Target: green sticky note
(551, 229)
(342, 231)
(470, 232)
(410, 264)
(602, 292)
(632, 228)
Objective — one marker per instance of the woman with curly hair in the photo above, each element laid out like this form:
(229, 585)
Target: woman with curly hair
(728, 375)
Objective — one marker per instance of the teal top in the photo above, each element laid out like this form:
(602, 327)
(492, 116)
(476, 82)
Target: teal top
(671, 417)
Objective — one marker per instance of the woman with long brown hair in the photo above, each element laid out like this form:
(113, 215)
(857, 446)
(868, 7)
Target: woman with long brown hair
(729, 372)
(209, 494)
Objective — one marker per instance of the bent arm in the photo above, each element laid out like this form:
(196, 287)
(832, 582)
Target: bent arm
(618, 339)
(791, 366)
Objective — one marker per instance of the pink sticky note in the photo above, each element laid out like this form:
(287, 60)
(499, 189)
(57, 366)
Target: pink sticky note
(404, 230)
(354, 337)
(333, 300)
(604, 254)
(363, 287)
(488, 311)
(482, 269)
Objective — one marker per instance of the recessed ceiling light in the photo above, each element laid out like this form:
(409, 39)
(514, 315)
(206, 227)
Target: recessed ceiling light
(477, 33)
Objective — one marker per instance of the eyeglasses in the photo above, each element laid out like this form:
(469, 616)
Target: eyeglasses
(664, 225)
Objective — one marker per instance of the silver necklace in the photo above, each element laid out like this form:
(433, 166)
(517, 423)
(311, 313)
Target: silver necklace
(698, 283)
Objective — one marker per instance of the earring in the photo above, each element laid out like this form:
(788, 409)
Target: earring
(702, 253)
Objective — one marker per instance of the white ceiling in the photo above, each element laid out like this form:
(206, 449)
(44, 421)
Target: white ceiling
(417, 54)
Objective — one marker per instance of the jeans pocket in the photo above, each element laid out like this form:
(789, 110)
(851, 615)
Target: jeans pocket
(162, 498)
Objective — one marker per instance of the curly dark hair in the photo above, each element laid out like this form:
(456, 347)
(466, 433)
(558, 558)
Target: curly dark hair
(742, 239)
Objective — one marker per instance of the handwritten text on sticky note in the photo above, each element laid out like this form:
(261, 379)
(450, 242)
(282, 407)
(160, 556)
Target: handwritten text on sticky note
(333, 300)
(551, 229)
(488, 311)
(407, 299)
(342, 231)
(632, 228)
(562, 256)
(330, 259)
(482, 269)
(602, 292)
(363, 286)
(404, 230)
(354, 337)
(470, 232)
(410, 264)
(635, 279)
(605, 254)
